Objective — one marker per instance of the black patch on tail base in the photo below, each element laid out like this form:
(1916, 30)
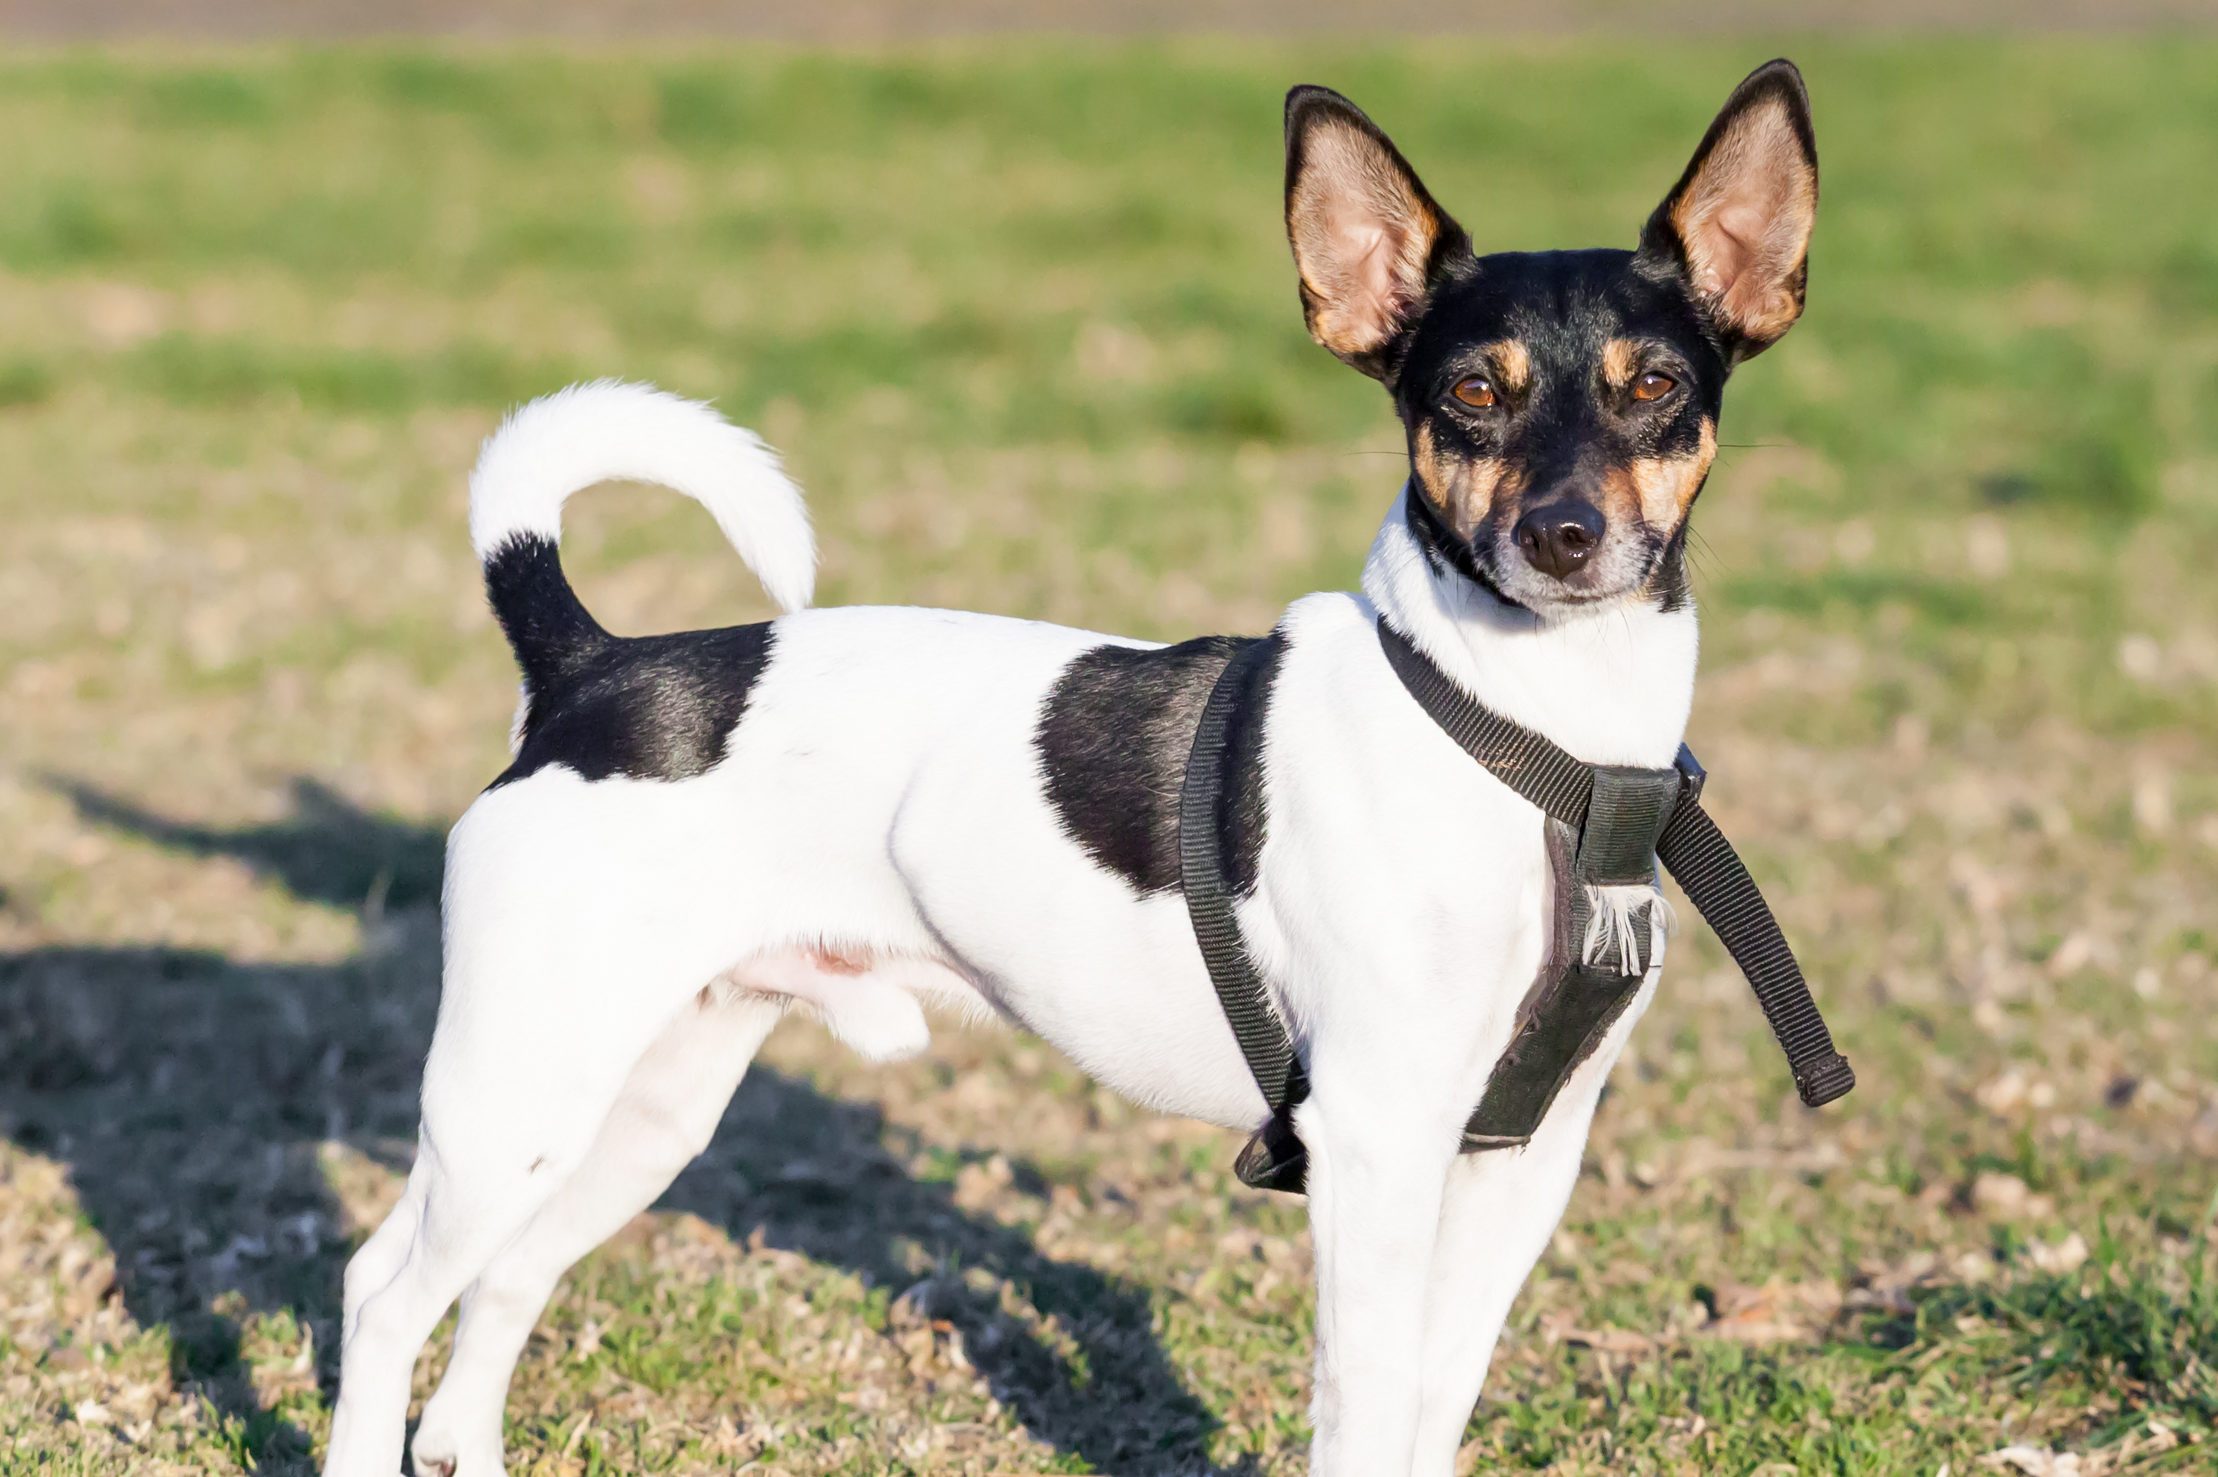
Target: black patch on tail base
(645, 707)
(1113, 738)
(547, 627)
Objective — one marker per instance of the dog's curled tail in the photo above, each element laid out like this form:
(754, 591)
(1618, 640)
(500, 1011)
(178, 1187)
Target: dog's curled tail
(609, 431)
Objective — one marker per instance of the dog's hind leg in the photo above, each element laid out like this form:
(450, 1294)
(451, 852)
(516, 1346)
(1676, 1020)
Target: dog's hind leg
(533, 1047)
(469, 1192)
(664, 1117)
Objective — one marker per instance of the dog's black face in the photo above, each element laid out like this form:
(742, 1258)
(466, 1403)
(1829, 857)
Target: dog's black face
(1561, 407)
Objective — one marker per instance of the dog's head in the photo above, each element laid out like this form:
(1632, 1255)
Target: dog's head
(1561, 407)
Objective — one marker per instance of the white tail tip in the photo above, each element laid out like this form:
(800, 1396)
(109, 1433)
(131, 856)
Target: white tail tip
(610, 431)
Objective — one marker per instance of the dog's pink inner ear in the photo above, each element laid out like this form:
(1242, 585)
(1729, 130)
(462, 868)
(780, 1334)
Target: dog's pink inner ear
(1363, 233)
(1744, 219)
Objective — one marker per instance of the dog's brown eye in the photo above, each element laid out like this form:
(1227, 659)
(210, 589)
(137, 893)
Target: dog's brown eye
(1476, 392)
(1653, 386)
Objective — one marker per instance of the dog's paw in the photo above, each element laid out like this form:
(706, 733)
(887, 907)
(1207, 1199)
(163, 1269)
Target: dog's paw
(440, 1450)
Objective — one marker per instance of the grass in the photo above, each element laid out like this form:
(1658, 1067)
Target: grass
(1020, 317)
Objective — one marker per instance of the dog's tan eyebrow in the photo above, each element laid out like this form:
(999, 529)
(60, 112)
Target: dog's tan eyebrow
(1512, 361)
(1619, 356)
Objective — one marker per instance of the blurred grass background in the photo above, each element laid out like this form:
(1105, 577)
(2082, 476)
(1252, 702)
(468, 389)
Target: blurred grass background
(1018, 312)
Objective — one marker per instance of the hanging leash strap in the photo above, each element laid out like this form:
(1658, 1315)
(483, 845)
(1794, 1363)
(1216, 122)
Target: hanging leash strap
(1621, 817)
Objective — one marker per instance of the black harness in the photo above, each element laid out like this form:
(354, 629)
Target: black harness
(1616, 822)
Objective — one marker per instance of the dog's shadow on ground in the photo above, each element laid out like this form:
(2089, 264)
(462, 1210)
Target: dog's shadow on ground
(192, 1094)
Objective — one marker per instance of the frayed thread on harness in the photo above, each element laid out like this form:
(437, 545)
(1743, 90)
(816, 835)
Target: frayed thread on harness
(1611, 934)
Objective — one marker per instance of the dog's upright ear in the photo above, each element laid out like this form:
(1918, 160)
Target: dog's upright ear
(1369, 243)
(1737, 225)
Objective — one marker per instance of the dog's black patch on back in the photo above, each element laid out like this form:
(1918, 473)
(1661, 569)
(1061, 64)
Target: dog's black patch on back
(645, 707)
(1113, 738)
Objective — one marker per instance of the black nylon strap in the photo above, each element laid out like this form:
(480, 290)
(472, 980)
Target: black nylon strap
(1691, 848)
(1528, 762)
(1263, 1039)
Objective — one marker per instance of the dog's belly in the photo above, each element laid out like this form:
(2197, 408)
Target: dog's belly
(1120, 991)
(1052, 939)
(896, 816)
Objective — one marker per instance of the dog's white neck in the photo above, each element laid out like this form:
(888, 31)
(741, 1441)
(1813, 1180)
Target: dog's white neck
(1612, 683)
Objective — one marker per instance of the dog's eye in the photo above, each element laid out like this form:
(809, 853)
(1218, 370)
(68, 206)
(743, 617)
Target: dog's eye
(1653, 386)
(1476, 392)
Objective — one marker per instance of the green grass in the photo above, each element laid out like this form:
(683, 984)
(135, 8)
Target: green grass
(1020, 317)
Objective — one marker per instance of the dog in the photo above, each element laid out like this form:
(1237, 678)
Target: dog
(866, 811)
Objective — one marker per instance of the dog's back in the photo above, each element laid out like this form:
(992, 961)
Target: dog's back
(861, 809)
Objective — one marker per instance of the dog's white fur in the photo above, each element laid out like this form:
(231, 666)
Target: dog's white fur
(607, 431)
(878, 839)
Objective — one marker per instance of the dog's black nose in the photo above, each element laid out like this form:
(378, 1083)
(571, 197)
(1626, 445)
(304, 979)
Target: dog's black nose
(1558, 538)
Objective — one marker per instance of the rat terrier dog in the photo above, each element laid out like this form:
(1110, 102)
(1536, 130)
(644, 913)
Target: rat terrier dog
(864, 811)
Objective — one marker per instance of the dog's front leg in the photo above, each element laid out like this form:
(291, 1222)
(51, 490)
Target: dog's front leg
(1496, 1216)
(1378, 1157)
(1497, 1213)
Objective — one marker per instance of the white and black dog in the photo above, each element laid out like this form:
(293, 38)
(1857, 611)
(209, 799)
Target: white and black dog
(868, 811)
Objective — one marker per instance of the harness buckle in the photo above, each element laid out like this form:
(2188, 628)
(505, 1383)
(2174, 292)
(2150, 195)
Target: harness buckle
(1691, 774)
(1274, 1158)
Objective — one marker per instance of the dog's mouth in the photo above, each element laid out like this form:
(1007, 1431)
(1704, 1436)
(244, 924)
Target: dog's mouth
(1624, 565)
